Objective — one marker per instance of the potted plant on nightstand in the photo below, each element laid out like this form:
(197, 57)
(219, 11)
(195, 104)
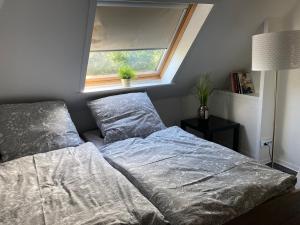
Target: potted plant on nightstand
(126, 73)
(203, 91)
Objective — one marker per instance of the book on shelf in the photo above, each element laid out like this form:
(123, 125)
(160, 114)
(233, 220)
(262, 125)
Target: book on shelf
(241, 83)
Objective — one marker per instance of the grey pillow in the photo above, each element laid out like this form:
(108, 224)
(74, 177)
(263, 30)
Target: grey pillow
(31, 128)
(125, 116)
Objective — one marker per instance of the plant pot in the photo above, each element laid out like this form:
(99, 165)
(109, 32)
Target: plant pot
(203, 112)
(125, 82)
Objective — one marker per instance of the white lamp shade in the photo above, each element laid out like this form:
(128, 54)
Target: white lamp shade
(276, 51)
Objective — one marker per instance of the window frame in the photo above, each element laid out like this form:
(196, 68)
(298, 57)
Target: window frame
(94, 81)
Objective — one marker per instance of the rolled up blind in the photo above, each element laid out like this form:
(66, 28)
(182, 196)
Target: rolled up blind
(135, 27)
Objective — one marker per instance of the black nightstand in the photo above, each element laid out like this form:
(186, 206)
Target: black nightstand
(212, 125)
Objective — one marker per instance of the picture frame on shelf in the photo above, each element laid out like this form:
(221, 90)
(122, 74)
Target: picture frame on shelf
(242, 83)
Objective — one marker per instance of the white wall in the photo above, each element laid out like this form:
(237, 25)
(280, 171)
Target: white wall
(244, 110)
(266, 113)
(287, 139)
(41, 47)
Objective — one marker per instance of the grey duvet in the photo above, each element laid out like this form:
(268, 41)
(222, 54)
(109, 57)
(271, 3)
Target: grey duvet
(70, 186)
(193, 181)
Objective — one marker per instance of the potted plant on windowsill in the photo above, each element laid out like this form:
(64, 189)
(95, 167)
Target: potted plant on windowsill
(126, 74)
(203, 91)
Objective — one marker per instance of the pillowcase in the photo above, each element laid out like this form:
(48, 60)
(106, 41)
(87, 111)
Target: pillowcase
(31, 128)
(125, 116)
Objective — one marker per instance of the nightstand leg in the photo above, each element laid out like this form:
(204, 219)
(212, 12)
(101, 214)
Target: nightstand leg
(236, 136)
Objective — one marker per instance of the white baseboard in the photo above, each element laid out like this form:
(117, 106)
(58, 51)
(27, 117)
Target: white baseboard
(287, 164)
(282, 163)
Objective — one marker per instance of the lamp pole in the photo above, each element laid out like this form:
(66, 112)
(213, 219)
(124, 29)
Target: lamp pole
(274, 119)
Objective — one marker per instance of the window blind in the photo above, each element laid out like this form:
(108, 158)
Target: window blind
(135, 26)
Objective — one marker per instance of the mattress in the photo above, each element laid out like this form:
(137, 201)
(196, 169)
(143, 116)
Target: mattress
(70, 186)
(193, 181)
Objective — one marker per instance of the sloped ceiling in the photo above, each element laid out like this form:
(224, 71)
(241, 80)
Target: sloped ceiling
(224, 43)
(42, 41)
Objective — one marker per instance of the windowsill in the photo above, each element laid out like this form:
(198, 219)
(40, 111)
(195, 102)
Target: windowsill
(119, 87)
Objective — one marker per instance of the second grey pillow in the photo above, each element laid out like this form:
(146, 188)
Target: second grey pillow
(125, 116)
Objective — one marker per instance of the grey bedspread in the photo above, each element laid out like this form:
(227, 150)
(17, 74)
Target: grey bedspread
(70, 186)
(192, 181)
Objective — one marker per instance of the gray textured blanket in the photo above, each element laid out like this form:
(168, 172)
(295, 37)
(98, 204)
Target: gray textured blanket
(192, 181)
(70, 186)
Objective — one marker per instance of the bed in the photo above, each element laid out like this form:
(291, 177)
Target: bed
(193, 181)
(48, 176)
(190, 180)
(150, 175)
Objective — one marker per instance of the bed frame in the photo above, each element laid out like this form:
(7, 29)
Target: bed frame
(283, 210)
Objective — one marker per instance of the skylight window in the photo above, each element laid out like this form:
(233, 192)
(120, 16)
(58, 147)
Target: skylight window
(152, 38)
(134, 34)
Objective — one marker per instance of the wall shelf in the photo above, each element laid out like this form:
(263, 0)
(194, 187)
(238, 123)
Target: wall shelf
(229, 93)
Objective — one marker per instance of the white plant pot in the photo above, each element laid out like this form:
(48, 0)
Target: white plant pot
(125, 82)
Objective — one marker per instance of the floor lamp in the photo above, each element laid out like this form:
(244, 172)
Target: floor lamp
(274, 52)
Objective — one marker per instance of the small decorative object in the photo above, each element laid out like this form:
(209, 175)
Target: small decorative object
(203, 91)
(241, 83)
(246, 83)
(126, 73)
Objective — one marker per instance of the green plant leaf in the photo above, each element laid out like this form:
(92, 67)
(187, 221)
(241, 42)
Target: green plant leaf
(204, 89)
(126, 72)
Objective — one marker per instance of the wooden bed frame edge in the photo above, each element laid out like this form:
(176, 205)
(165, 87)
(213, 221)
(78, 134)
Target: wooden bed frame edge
(281, 210)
